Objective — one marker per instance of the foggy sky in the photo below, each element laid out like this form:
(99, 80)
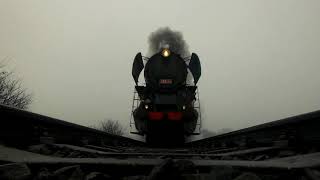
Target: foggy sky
(260, 59)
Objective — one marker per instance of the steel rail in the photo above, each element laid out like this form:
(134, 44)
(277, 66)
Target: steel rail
(300, 130)
(19, 127)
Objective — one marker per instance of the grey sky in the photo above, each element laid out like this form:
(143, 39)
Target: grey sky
(260, 59)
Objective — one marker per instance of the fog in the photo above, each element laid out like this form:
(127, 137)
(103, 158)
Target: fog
(260, 59)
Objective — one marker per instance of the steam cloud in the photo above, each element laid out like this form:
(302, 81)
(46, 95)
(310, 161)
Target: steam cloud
(165, 37)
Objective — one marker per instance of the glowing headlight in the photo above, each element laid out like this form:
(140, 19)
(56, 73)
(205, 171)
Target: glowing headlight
(165, 52)
(184, 107)
(146, 106)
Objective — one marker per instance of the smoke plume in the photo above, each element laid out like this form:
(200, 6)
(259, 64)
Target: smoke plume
(167, 38)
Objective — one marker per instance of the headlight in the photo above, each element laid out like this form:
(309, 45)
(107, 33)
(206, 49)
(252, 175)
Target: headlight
(146, 106)
(165, 52)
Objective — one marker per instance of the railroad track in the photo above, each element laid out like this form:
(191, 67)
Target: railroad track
(20, 128)
(301, 133)
(33, 146)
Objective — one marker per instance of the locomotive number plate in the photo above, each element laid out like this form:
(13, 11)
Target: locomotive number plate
(165, 81)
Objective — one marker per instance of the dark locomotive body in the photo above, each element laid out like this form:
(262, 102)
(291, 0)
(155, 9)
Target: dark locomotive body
(166, 112)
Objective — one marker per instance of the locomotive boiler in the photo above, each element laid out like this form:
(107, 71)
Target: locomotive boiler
(166, 111)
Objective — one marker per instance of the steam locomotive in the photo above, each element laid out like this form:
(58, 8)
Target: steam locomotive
(166, 111)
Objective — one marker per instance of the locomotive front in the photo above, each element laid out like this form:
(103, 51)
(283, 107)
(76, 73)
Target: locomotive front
(166, 101)
(165, 71)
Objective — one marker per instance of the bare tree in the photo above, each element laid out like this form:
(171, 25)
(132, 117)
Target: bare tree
(112, 127)
(11, 91)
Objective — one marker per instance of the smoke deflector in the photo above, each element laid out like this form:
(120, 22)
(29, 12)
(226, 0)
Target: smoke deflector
(137, 67)
(195, 67)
